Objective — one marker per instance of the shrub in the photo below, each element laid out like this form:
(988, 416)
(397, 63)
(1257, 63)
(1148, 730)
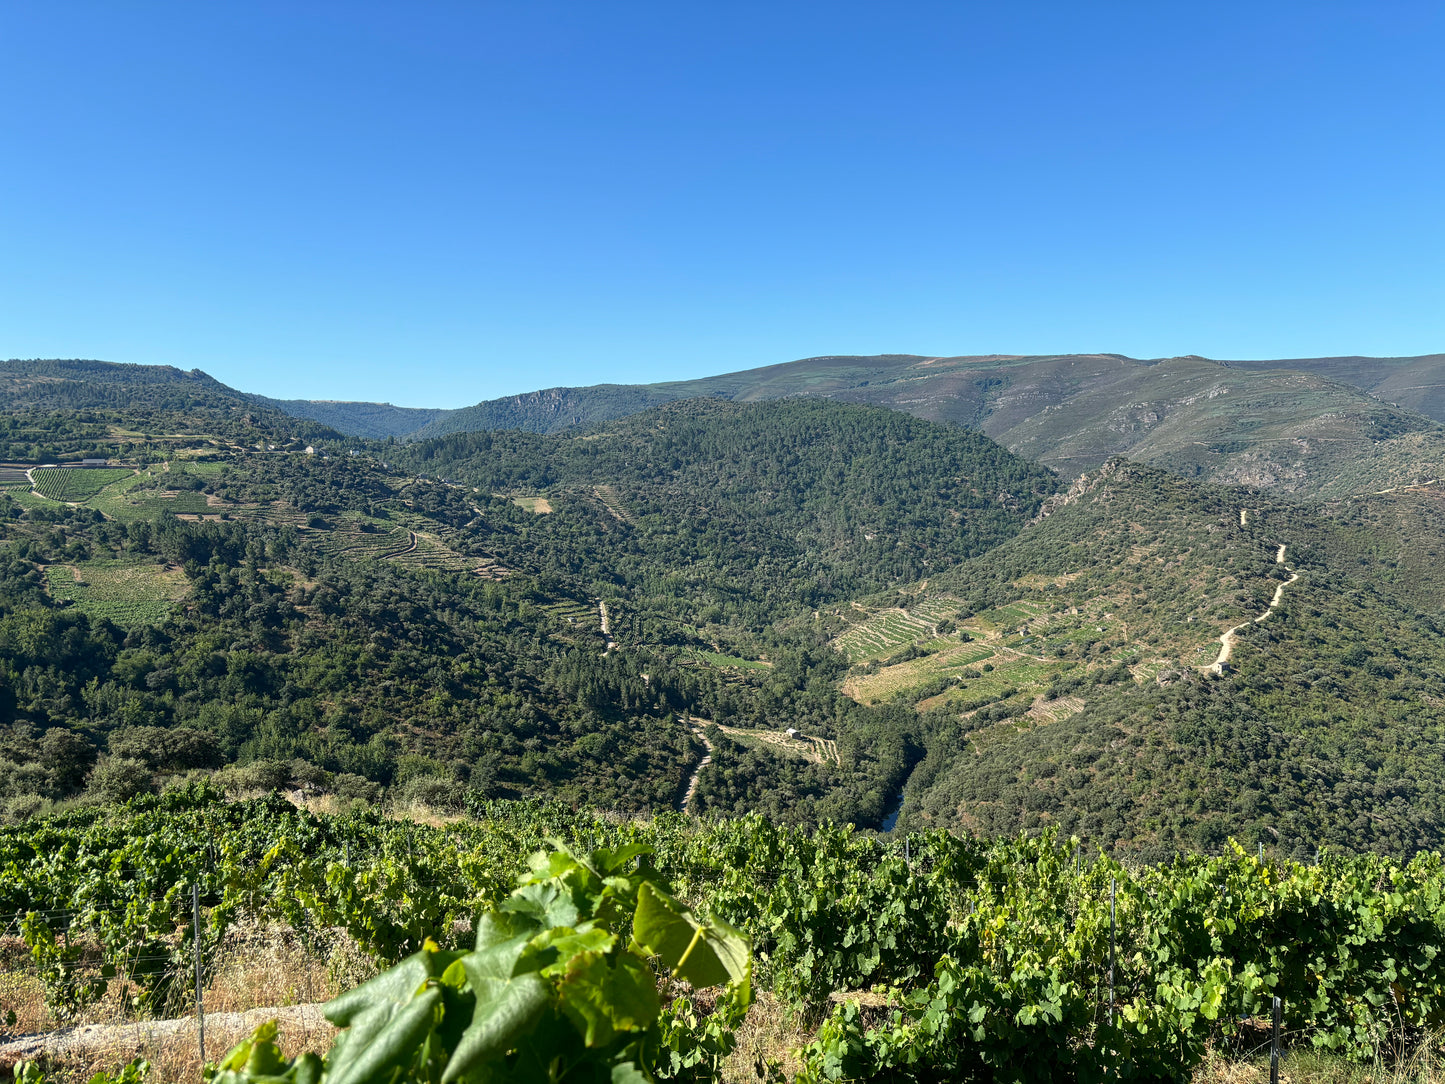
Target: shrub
(119, 779)
(430, 791)
(355, 788)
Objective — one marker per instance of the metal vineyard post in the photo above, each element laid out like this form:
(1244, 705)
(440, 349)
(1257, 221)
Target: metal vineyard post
(196, 930)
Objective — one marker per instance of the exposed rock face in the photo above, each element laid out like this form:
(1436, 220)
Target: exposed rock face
(1083, 485)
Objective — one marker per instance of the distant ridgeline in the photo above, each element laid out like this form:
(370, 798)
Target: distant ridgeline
(843, 603)
(1320, 427)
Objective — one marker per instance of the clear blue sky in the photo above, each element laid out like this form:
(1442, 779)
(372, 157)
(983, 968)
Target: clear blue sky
(434, 203)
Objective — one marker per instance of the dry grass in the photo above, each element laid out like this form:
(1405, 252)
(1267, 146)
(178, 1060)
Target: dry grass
(1424, 1065)
(771, 1033)
(265, 965)
(175, 1055)
(261, 966)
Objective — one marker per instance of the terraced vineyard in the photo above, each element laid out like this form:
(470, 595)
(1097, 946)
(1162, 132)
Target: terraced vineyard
(426, 550)
(436, 546)
(131, 594)
(75, 484)
(144, 495)
(362, 539)
(886, 632)
(409, 540)
(1008, 655)
(178, 503)
(279, 515)
(812, 749)
(570, 612)
(1013, 615)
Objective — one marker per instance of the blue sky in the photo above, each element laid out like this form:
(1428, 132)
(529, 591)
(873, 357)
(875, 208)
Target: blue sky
(434, 203)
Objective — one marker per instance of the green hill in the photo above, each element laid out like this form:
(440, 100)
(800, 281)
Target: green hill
(71, 409)
(838, 597)
(1305, 428)
(1101, 714)
(1416, 383)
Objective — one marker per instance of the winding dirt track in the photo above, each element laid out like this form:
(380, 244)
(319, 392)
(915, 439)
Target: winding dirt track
(701, 764)
(1226, 641)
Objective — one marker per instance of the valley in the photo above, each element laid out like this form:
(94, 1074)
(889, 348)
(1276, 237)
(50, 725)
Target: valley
(846, 602)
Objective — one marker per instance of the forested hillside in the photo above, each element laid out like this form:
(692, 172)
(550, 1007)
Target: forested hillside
(806, 500)
(570, 626)
(375, 420)
(69, 410)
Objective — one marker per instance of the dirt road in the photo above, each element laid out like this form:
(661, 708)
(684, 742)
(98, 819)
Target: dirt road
(701, 764)
(1226, 641)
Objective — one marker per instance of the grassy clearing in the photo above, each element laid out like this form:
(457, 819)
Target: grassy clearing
(113, 500)
(76, 484)
(539, 505)
(26, 499)
(131, 594)
(201, 468)
(919, 673)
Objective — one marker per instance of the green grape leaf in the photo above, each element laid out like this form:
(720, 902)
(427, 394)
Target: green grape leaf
(388, 1018)
(498, 928)
(506, 1009)
(703, 954)
(627, 1072)
(603, 1000)
(546, 904)
(609, 861)
(307, 1069)
(566, 943)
